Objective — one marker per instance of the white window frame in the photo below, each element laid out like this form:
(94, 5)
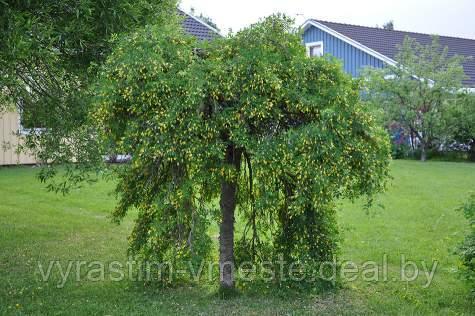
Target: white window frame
(313, 45)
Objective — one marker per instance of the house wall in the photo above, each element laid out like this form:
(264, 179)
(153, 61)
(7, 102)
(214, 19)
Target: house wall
(354, 60)
(9, 127)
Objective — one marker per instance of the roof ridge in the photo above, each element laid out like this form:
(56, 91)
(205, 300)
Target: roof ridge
(200, 21)
(395, 31)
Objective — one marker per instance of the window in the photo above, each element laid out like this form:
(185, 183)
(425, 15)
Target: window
(315, 49)
(31, 119)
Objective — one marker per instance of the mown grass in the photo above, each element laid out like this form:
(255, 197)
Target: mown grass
(415, 218)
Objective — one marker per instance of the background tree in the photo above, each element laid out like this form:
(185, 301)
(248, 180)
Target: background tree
(467, 248)
(205, 19)
(389, 25)
(461, 122)
(248, 120)
(49, 54)
(418, 90)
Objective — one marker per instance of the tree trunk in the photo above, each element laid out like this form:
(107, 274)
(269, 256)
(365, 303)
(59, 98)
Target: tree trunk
(423, 151)
(471, 153)
(226, 232)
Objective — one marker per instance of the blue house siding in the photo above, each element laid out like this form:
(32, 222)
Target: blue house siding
(354, 60)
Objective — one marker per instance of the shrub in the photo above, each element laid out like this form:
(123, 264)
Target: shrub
(400, 151)
(467, 250)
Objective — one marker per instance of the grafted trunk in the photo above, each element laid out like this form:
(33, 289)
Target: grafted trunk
(229, 190)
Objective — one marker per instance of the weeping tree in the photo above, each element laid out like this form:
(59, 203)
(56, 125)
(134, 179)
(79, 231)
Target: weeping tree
(248, 120)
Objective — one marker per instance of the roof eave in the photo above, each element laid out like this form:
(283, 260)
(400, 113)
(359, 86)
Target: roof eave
(202, 22)
(349, 41)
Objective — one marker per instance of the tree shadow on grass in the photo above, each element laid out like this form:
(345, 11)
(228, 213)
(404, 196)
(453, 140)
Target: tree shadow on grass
(256, 299)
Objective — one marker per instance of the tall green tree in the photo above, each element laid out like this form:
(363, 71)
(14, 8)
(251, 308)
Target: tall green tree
(461, 122)
(249, 120)
(418, 90)
(49, 52)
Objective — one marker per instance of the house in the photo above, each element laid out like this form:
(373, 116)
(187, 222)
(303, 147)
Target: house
(198, 28)
(360, 46)
(10, 122)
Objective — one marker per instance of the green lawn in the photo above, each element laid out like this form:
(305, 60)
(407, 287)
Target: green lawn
(415, 218)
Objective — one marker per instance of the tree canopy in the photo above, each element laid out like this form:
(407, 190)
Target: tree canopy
(249, 120)
(460, 120)
(419, 90)
(49, 54)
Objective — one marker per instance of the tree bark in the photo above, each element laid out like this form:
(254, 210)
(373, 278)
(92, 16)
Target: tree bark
(471, 153)
(229, 189)
(423, 152)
